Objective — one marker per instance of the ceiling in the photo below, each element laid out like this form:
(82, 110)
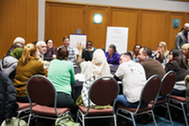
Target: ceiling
(181, 0)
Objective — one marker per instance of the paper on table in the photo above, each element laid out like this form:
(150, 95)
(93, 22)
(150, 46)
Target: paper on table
(80, 77)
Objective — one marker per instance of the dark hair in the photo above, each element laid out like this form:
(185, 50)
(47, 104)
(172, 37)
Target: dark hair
(135, 47)
(103, 49)
(128, 54)
(181, 29)
(48, 40)
(181, 60)
(34, 42)
(112, 46)
(90, 42)
(147, 51)
(63, 53)
(65, 37)
(175, 52)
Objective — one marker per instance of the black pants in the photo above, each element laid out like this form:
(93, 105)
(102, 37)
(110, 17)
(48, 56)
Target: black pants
(65, 100)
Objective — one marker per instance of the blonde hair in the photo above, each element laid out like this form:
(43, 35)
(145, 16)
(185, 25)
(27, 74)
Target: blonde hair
(185, 46)
(164, 46)
(29, 50)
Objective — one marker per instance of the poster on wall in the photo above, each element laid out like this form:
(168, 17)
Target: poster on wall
(176, 23)
(77, 38)
(117, 36)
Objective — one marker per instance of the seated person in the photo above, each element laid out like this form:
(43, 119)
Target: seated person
(133, 79)
(71, 55)
(51, 50)
(93, 70)
(41, 50)
(178, 64)
(61, 73)
(187, 92)
(8, 105)
(112, 55)
(162, 53)
(28, 65)
(135, 53)
(87, 53)
(185, 51)
(150, 65)
(19, 41)
(9, 63)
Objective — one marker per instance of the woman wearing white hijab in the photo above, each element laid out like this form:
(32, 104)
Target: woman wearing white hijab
(98, 67)
(93, 70)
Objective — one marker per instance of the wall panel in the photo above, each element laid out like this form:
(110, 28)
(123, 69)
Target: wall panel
(17, 18)
(187, 17)
(174, 31)
(153, 28)
(97, 32)
(31, 20)
(126, 18)
(146, 27)
(63, 19)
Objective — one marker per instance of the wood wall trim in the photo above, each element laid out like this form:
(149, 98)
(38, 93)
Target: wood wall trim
(63, 2)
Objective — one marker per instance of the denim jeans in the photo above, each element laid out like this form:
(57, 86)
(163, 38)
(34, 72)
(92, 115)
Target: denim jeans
(122, 99)
(178, 92)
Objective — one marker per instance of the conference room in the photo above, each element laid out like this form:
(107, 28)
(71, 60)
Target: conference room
(109, 26)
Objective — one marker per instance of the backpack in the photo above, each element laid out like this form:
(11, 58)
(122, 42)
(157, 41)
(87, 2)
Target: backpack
(65, 120)
(14, 121)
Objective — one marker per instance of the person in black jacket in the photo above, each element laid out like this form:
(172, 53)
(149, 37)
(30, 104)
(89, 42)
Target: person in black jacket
(178, 64)
(8, 105)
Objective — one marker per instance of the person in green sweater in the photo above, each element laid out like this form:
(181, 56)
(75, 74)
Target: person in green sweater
(61, 73)
(28, 65)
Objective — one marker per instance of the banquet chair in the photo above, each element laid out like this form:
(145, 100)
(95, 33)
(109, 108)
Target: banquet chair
(179, 102)
(23, 108)
(103, 91)
(41, 91)
(149, 93)
(168, 82)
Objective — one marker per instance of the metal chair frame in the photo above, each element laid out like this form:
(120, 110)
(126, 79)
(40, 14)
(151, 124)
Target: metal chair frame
(166, 104)
(182, 108)
(81, 116)
(30, 101)
(136, 113)
(26, 111)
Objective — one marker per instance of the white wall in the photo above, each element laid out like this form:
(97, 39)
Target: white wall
(41, 20)
(146, 4)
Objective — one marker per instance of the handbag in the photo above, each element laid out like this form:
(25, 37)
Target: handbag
(65, 120)
(14, 121)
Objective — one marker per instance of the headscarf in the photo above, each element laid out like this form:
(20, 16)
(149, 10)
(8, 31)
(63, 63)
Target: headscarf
(17, 53)
(98, 67)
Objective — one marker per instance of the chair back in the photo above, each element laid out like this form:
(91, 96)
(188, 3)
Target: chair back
(104, 91)
(40, 90)
(151, 89)
(168, 82)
